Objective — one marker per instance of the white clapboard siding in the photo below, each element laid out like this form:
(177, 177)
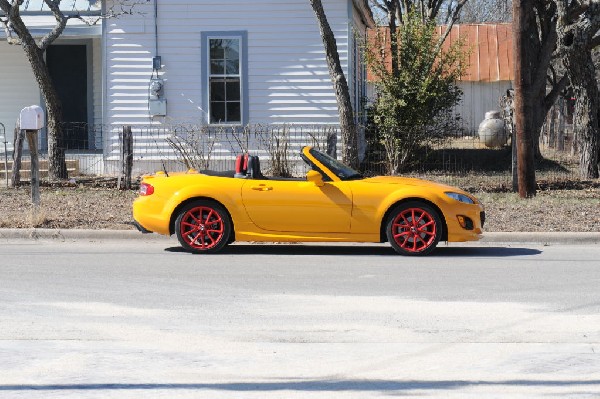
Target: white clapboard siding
(18, 88)
(288, 80)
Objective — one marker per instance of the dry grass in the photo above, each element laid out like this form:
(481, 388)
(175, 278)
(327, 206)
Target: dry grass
(551, 210)
(108, 208)
(67, 207)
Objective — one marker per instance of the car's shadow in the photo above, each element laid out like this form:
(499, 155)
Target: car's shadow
(323, 250)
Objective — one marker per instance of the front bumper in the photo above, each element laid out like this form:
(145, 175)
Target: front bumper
(458, 233)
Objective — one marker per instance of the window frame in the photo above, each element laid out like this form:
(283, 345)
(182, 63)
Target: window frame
(242, 36)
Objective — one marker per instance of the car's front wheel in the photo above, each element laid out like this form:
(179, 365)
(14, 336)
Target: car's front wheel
(414, 228)
(203, 227)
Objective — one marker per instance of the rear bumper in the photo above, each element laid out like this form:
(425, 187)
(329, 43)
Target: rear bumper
(140, 228)
(148, 214)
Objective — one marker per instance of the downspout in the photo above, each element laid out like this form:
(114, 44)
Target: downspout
(155, 28)
(157, 103)
(104, 108)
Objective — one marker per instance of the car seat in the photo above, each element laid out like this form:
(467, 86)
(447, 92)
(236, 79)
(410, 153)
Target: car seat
(254, 168)
(241, 165)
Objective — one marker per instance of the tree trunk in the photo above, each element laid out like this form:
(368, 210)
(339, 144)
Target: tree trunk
(587, 129)
(525, 119)
(587, 104)
(538, 117)
(15, 180)
(575, 40)
(340, 85)
(57, 168)
(560, 135)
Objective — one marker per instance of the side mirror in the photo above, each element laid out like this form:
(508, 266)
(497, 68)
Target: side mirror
(315, 177)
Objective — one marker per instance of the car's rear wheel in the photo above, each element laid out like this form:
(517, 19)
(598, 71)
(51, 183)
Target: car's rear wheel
(414, 228)
(203, 227)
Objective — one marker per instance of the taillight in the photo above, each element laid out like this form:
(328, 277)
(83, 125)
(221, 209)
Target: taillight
(146, 189)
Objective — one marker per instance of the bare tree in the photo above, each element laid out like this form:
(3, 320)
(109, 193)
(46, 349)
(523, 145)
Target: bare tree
(442, 11)
(18, 33)
(400, 12)
(486, 11)
(579, 34)
(340, 86)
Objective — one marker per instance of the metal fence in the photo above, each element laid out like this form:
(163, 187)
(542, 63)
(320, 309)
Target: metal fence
(461, 160)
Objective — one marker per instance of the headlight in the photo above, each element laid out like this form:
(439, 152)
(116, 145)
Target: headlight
(460, 197)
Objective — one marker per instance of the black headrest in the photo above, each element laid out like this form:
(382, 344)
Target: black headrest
(254, 167)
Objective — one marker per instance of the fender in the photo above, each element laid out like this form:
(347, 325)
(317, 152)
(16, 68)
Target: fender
(232, 203)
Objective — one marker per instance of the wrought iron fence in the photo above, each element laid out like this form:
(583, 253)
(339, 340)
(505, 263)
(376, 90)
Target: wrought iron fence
(461, 160)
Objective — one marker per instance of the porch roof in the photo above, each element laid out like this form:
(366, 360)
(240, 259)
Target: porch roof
(81, 7)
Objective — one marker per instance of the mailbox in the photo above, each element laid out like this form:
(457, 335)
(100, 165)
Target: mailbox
(32, 118)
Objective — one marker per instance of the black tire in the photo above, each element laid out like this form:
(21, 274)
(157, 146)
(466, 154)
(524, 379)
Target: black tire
(203, 226)
(414, 228)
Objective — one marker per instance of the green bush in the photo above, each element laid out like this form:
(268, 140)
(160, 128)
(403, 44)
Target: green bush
(414, 104)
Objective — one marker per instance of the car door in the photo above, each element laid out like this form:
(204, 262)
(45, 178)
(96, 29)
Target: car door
(298, 206)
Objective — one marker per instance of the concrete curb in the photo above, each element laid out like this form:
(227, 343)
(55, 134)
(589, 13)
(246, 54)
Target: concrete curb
(74, 234)
(571, 238)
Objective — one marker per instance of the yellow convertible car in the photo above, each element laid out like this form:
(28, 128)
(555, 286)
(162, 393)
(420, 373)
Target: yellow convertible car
(333, 203)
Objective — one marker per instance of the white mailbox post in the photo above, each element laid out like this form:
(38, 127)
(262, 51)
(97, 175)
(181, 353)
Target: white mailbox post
(32, 120)
(3, 134)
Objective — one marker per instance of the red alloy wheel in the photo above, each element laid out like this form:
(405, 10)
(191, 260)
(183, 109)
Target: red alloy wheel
(202, 228)
(414, 230)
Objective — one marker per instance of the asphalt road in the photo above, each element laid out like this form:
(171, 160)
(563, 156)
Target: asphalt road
(134, 318)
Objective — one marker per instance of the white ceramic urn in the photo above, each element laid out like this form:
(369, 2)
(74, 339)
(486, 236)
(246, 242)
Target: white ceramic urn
(491, 130)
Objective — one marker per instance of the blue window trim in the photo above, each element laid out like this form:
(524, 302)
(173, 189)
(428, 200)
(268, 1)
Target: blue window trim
(243, 36)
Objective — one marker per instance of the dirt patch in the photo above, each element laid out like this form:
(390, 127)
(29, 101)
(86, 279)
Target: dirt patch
(67, 208)
(98, 207)
(553, 210)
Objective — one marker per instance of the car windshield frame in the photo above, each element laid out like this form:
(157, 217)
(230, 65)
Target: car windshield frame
(341, 170)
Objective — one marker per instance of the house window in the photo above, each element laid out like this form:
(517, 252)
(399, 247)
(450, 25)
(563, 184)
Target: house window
(225, 64)
(225, 81)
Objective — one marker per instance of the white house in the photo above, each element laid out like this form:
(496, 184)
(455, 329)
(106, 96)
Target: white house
(75, 64)
(169, 62)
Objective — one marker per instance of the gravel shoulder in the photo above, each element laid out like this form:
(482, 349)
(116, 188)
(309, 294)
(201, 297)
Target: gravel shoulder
(108, 208)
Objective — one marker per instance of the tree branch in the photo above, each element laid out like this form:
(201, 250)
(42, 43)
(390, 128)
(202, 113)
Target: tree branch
(126, 8)
(548, 45)
(377, 4)
(61, 23)
(10, 39)
(453, 19)
(551, 97)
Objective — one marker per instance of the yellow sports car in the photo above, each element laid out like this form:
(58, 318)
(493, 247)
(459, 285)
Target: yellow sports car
(333, 203)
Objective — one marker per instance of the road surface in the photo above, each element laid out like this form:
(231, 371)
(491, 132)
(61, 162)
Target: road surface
(131, 319)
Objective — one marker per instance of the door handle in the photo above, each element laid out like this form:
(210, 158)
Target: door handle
(262, 187)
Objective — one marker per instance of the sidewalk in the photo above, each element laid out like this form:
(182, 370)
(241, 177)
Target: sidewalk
(569, 238)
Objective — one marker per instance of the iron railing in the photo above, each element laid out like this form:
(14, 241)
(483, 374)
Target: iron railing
(459, 159)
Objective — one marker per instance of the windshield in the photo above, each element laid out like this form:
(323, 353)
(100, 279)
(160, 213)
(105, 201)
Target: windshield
(339, 169)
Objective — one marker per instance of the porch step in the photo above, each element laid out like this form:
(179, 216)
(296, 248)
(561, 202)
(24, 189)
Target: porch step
(72, 168)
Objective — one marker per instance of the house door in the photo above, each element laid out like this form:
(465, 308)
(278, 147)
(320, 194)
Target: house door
(68, 68)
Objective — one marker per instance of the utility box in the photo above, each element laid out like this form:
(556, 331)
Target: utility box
(32, 118)
(157, 103)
